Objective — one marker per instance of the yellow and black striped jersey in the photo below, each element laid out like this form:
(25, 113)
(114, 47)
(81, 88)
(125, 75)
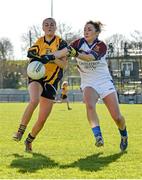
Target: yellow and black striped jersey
(64, 90)
(41, 47)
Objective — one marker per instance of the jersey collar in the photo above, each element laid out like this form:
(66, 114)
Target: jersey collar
(49, 42)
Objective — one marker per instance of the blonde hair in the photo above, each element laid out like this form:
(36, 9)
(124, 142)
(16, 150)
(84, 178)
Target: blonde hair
(64, 82)
(49, 19)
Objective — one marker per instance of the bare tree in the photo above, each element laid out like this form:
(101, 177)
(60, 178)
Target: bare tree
(64, 30)
(136, 40)
(137, 36)
(30, 37)
(117, 41)
(6, 49)
(35, 32)
(67, 33)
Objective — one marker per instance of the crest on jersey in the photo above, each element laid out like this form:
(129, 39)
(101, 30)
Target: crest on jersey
(96, 48)
(48, 50)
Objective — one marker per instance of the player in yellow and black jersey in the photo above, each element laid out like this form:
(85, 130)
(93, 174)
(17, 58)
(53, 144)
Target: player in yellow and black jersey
(64, 94)
(43, 91)
(54, 72)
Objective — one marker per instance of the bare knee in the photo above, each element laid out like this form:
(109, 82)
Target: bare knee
(90, 106)
(34, 102)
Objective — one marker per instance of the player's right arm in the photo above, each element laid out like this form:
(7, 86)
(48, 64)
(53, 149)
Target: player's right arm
(60, 60)
(33, 52)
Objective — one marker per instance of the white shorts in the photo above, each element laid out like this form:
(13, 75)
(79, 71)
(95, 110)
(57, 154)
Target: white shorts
(102, 88)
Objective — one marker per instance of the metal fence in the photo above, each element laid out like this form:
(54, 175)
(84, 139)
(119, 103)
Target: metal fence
(125, 70)
(13, 95)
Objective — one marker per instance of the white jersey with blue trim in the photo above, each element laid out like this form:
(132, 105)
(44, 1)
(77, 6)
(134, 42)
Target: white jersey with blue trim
(97, 69)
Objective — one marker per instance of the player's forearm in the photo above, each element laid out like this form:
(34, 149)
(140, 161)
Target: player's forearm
(68, 51)
(54, 57)
(61, 63)
(86, 57)
(64, 52)
(61, 53)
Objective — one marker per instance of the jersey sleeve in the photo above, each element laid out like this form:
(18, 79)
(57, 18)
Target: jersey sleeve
(62, 44)
(35, 48)
(75, 44)
(99, 50)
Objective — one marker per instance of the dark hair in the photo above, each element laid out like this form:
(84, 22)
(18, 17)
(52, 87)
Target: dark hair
(97, 25)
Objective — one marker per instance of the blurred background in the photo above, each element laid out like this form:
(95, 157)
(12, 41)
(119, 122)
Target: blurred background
(122, 33)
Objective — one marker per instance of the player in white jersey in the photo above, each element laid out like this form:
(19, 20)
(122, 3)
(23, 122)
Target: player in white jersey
(96, 81)
(94, 74)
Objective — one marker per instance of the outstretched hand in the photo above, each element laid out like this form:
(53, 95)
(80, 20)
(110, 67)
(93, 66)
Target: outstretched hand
(72, 52)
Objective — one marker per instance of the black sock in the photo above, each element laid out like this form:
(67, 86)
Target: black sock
(123, 132)
(30, 138)
(22, 128)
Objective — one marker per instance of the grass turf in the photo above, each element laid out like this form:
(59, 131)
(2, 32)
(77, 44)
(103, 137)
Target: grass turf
(65, 148)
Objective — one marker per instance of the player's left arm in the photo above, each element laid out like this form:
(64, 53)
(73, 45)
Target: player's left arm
(95, 54)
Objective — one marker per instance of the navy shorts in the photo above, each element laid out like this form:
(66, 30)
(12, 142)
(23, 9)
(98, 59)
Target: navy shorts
(49, 90)
(63, 96)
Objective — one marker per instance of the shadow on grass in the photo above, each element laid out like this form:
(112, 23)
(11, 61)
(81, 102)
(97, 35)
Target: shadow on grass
(93, 162)
(32, 164)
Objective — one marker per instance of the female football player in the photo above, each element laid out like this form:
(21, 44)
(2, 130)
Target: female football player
(96, 81)
(42, 91)
(64, 94)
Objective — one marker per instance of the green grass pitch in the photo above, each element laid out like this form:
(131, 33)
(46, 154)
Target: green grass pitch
(65, 148)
